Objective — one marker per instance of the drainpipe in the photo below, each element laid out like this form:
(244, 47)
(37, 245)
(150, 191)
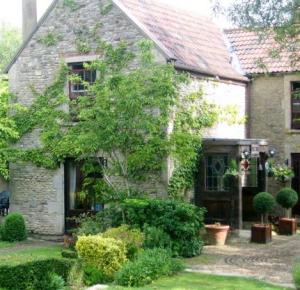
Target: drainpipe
(29, 8)
(248, 109)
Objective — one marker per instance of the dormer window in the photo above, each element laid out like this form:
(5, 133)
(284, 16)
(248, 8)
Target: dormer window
(77, 89)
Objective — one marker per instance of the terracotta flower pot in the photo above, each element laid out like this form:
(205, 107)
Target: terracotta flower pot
(287, 226)
(261, 233)
(217, 234)
(69, 240)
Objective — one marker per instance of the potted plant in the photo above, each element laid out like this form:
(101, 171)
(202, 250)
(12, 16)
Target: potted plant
(263, 204)
(217, 234)
(282, 173)
(231, 174)
(287, 198)
(232, 170)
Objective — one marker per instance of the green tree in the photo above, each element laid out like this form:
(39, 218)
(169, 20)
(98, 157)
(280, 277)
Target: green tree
(8, 129)
(135, 116)
(10, 40)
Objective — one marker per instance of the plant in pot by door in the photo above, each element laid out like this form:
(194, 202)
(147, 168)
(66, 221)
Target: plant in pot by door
(217, 234)
(263, 204)
(287, 198)
(282, 173)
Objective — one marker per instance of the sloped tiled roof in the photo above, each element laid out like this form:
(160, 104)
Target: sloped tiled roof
(193, 40)
(258, 54)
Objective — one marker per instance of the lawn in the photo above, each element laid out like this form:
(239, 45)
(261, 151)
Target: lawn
(29, 254)
(6, 244)
(196, 281)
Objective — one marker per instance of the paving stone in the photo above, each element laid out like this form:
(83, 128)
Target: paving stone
(271, 262)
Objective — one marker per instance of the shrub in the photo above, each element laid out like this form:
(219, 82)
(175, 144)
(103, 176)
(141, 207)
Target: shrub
(14, 228)
(263, 203)
(34, 275)
(156, 238)
(89, 225)
(287, 197)
(106, 254)
(132, 238)
(69, 254)
(296, 275)
(148, 266)
(180, 220)
(52, 282)
(93, 276)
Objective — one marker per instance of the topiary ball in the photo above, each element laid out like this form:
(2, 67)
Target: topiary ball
(14, 228)
(287, 197)
(263, 202)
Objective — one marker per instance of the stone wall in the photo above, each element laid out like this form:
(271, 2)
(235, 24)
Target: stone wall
(36, 192)
(271, 117)
(39, 193)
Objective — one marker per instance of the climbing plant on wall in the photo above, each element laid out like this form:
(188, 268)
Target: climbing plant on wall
(135, 116)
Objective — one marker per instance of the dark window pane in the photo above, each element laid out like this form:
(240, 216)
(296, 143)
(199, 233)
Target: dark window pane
(295, 105)
(89, 76)
(215, 168)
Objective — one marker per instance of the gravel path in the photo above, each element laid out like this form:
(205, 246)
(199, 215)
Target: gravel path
(272, 262)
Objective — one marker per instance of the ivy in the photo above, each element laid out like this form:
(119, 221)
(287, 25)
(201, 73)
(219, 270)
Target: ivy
(82, 46)
(50, 39)
(122, 117)
(71, 4)
(105, 9)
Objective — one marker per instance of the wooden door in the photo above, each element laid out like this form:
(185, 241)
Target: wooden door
(296, 180)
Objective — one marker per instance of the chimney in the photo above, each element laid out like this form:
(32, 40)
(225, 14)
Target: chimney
(29, 17)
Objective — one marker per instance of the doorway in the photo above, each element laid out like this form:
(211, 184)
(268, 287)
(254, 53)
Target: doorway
(296, 180)
(79, 199)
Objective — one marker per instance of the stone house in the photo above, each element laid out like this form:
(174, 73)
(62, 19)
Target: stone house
(193, 43)
(274, 108)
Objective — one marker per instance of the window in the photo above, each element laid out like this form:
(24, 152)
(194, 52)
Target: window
(215, 168)
(77, 89)
(295, 105)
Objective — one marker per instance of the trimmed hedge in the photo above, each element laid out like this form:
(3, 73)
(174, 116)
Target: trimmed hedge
(33, 275)
(287, 197)
(106, 254)
(14, 228)
(263, 203)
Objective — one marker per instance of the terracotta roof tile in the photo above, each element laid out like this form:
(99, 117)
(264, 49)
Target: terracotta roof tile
(194, 40)
(255, 53)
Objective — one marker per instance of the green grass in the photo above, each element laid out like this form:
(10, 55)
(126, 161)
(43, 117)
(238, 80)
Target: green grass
(296, 274)
(30, 254)
(203, 259)
(196, 281)
(4, 245)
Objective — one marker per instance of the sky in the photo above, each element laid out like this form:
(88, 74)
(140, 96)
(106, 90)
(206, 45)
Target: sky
(11, 11)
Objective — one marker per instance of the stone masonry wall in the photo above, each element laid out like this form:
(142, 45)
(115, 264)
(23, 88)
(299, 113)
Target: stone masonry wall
(36, 192)
(271, 117)
(39, 193)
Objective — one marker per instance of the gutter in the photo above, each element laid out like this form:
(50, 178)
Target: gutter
(241, 79)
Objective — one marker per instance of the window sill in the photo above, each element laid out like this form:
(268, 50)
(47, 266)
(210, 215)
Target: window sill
(293, 131)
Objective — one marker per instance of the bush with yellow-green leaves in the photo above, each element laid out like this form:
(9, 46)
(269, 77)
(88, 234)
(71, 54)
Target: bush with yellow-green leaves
(132, 238)
(106, 254)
